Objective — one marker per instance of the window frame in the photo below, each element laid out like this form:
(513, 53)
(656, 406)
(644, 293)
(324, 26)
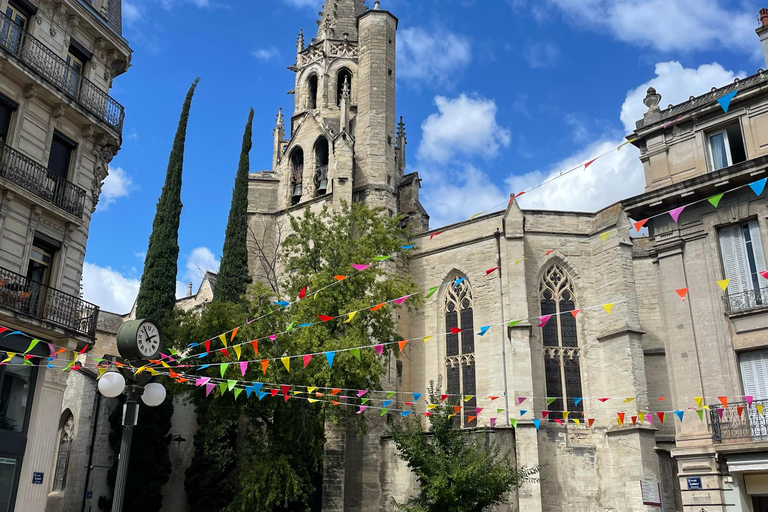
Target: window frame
(723, 130)
(461, 360)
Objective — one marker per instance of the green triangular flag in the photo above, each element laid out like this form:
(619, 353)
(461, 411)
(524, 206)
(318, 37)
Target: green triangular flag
(499, 411)
(383, 412)
(356, 353)
(514, 323)
(382, 258)
(390, 394)
(432, 291)
(173, 352)
(550, 400)
(699, 411)
(32, 344)
(715, 200)
(364, 401)
(223, 369)
(97, 360)
(237, 392)
(290, 326)
(223, 387)
(231, 384)
(513, 422)
(28, 362)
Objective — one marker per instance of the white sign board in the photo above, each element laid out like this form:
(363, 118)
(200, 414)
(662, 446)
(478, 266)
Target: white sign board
(651, 493)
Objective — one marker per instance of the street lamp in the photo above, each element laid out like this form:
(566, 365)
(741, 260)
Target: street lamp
(136, 340)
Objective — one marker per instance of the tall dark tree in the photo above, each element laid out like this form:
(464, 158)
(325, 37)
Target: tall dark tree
(233, 272)
(157, 294)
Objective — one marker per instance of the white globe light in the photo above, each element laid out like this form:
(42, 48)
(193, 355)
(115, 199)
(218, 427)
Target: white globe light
(154, 394)
(111, 384)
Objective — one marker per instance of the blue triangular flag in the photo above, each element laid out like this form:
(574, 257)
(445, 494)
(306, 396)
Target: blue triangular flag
(12, 333)
(679, 414)
(758, 186)
(406, 413)
(257, 387)
(248, 391)
(386, 404)
(536, 423)
(304, 325)
(459, 281)
(576, 401)
(262, 394)
(202, 355)
(281, 303)
(522, 412)
(406, 247)
(483, 330)
(725, 101)
(329, 356)
(50, 365)
(416, 397)
(204, 366)
(192, 345)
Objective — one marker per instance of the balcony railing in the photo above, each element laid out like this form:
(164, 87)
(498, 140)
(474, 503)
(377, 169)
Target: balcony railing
(743, 301)
(37, 56)
(35, 178)
(740, 422)
(39, 301)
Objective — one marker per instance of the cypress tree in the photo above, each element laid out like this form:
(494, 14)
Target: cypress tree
(157, 293)
(233, 272)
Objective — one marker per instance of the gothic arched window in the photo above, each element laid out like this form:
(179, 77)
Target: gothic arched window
(561, 345)
(312, 85)
(344, 76)
(460, 348)
(65, 446)
(297, 174)
(321, 166)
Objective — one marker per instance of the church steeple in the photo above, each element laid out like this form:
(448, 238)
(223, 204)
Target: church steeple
(339, 17)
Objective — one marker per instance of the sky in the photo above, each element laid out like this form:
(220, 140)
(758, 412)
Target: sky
(497, 96)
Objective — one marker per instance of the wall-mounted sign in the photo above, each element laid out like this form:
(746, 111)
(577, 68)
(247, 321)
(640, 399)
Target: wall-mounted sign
(694, 482)
(651, 493)
(37, 477)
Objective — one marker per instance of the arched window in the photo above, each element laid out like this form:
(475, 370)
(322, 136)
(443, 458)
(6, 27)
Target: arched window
(297, 174)
(321, 166)
(561, 346)
(344, 76)
(312, 85)
(65, 446)
(460, 348)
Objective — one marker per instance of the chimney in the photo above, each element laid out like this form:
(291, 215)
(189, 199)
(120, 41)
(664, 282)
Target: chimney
(762, 32)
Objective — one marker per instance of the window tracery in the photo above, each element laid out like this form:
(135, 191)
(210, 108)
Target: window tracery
(460, 348)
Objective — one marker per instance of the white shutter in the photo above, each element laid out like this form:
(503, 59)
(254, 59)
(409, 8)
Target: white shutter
(754, 373)
(757, 245)
(734, 259)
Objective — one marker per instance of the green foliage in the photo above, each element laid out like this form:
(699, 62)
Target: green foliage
(233, 275)
(285, 439)
(157, 293)
(149, 466)
(458, 470)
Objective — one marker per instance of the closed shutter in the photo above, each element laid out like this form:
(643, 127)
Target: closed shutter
(757, 245)
(754, 373)
(734, 259)
(58, 161)
(5, 120)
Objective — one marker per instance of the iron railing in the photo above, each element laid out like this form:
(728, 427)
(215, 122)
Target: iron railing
(35, 178)
(739, 421)
(37, 56)
(45, 303)
(746, 300)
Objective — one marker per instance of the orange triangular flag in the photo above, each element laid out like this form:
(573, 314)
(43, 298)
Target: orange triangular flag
(682, 292)
(723, 400)
(456, 409)
(234, 333)
(639, 225)
(740, 410)
(401, 344)
(335, 391)
(590, 421)
(469, 420)
(576, 312)
(378, 306)
(339, 278)
(264, 364)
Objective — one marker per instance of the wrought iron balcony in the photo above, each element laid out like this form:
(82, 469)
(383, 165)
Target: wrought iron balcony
(744, 301)
(42, 302)
(43, 61)
(35, 178)
(740, 422)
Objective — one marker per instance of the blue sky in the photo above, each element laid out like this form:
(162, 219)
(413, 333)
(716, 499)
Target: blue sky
(497, 95)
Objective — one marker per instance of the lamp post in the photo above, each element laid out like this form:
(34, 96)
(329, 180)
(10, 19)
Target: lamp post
(112, 384)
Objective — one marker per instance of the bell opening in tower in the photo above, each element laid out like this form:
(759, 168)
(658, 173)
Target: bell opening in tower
(321, 166)
(297, 172)
(312, 100)
(343, 77)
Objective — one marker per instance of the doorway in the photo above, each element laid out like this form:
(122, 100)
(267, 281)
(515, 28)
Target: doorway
(760, 503)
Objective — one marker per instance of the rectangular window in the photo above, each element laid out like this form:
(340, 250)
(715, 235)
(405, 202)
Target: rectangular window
(61, 155)
(741, 248)
(7, 108)
(726, 147)
(77, 57)
(15, 386)
(8, 468)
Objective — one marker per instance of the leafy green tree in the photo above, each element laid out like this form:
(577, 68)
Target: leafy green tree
(281, 469)
(233, 275)
(157, 293)
(458, 470)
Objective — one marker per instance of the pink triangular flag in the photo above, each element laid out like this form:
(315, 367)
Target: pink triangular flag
(676, 213)
(544, 319)
(748, 398)
(401, 300)
(272, 337)
(493, 422)
(208, 388)
(307, 359)
(202, 380)
(720, 413)
(361, 392)
(243, 367)
(379, 349)
(521, 399)
(478, 410)
(360, 267)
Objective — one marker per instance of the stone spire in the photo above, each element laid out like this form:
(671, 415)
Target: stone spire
(300, 42)
(339, 17)
(344, 107)
(401, 142)
(278, 134)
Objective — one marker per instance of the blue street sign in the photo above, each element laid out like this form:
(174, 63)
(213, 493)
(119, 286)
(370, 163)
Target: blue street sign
(37, 477)
(694, 482)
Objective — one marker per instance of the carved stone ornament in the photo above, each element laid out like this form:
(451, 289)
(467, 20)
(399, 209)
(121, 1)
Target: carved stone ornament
(58, 110)
(30, 91)
(38, 20)
(652, 99)
(104, 156)
(52, 30)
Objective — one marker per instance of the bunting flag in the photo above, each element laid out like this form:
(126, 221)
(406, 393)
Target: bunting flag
(748, 399)
(543, 320)
(620, 418)
(549, 252)
(274, 392)
(382, 258)
(604, 236)
(223, 369)
(443, 397)
(356, 352)
(521, 399)
(428, 338)
(520, 261)
(550, 400)
(416, 397)
(715, 200)
(675, 214)
(627, 400)
(725, 100)
(286, 362)
(335, 391)
(758, 186)
(650, 419)
(325, 318)
(576, 312)
(390, 394)
(32, 344)
(207, 346)
(576, 401)
(377, 306)
(264, 364)
(700, 413)
(470, 419)
(208, 388)
(639, 225)
(362, 408)
(401, 300)
(350, 317)
(401, 344)
(459, 281)
(608, 307)
(625, 143)
(231, 384)
(661, 417)
(307, 359)
(360, 268)
(281, 303)
(723, 284)
(491, 270)
(379, 349)
(455, 330)
(493, 422)
(339, 277)
(238, 350)
(641, 416)
(483, 330)
(361, 392)
(493, 398)
(407, 247)
(698, 400)
(576, 420)
(513, 323)
(739, 410)
(467, 398)
(243, 367)
(433, 235)
(679, 414)
(544, 414)
(634, 420)
(586, 165)
(603, 399)
(682, 292)
(431, 292)
(536, 424)
(202, 380)
(720, 413)
(565, 415)
(303, 293)
(759, 408)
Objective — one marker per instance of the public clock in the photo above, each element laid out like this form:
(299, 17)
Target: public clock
(139, 339)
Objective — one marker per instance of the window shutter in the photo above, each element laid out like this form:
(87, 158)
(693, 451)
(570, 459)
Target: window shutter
(754, 373)
(58, 161)
(757, 245)
(734, 261)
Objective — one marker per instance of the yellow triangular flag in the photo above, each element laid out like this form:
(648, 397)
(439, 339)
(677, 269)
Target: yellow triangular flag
(467, 398)
(608, 307)
(475, 215)
(624, 144)
(102, 371)
(312, 400)
(140, 370)
(723, 284)
(520, 261)
(351, 316)
(237, 350)
(11, 355)
(223, 339)
(298, 393)
(576, 420)
(759, 409)
(152, 371)
(698, 400)
(428, 338)
(431, 406)
(706, 407)
(286, 362)
(311, 389)
(604, 236)
(641, 416)
(626, 401)
(565, 415)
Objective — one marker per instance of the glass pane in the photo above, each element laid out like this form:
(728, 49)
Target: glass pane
(467, 331)
(548, 307)
(568, 324)
(573, 385)
(14, 395)
(717, 144)
(468, 375)
(7, 482)
(451, 340)
(554, 385)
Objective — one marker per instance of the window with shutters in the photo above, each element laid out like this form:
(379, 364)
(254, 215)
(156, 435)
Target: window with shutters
(460, 348)
(60, 156)
(561, 346)
(741, 248)
(754, 378)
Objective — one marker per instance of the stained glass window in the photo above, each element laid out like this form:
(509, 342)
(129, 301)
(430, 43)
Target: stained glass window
(460, 349)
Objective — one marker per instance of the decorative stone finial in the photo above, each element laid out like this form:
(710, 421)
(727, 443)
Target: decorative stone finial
(345, 88)
(280, 118)
(652, 99)
(401, 129)
(376, 5)
(300, 42)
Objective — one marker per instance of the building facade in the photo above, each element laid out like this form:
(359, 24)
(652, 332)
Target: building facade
(59, 129)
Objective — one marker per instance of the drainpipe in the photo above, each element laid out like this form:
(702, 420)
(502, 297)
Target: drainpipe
(90, 451)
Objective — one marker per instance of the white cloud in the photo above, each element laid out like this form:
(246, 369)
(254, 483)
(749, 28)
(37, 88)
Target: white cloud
(305, 3)
(131, 12)
(666, 25)
(464, 125)
(109, 289)
(541, 55)
(199, 260)
(266, 53)
(116, 185)
(432, 55)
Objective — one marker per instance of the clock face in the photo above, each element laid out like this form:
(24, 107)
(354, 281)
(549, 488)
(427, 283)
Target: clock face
(148, 339)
